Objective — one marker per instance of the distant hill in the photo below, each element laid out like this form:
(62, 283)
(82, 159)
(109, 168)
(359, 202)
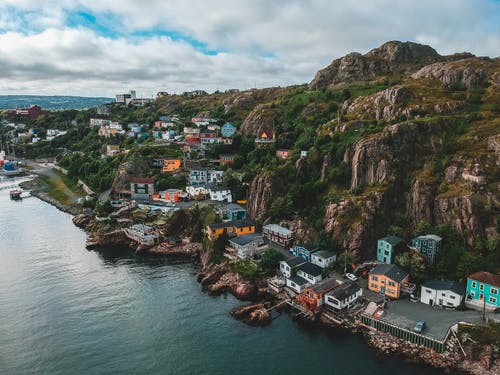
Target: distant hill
(51, 102)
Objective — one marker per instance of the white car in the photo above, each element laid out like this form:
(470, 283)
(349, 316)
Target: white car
(351, 277)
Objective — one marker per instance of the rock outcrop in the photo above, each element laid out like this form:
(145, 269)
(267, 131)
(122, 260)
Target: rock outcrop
(259, 196)
(391, 56)
(468, 73)
(388, 104)
(262, 117)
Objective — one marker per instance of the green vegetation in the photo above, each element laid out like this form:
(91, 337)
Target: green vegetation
(247, 268)
(489, 335)
(61, 188)
(270, 261)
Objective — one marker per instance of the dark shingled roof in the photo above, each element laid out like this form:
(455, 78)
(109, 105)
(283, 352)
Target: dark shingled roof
(486, 278)
(298, 280)
(325, 286)
(392, 271)
(445, 285)
(393, 240)
(345, 290)
(311, 269)
(295, 261)
(246, 238)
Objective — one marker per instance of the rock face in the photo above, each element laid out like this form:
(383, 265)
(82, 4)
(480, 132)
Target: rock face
(468, 73)
(405, 152)
(391, 56)
(255, 314)
(125, 172)
(387, 104)
(261, 118)
(259, 196)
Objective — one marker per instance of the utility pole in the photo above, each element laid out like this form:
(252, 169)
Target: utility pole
(345, 262)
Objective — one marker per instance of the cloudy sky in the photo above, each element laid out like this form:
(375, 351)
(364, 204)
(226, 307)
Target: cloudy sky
(101, 47)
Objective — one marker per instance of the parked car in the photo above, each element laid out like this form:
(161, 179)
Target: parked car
(419, 327)
(351, 277)
(413, 298)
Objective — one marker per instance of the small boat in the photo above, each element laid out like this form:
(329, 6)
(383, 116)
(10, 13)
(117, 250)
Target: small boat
(16, 194)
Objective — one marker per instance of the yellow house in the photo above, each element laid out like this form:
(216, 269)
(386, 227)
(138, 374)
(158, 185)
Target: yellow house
(233, 228)
(387, 279)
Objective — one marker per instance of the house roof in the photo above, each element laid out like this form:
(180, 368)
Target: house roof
(242, 223)
(295, 261)
(393, 240)
(486, 278)
(345, 290)
(307, 246)
(298, 280)
(246, 239)
(142, 180)
(233, 207)
(392, 271)
(311, 269)
(432, 237)
(445, 285)
(325, 254)
(278, 229)
(325, 286)
(225, 224)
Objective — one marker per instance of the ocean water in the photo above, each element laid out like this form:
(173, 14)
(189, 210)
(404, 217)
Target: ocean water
(66, 310)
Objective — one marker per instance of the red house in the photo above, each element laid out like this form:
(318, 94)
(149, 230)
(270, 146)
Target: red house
(32, 112)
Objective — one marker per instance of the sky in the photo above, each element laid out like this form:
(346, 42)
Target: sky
(105, 47)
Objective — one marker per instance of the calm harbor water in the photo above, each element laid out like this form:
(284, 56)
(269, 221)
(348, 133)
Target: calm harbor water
(65, 310)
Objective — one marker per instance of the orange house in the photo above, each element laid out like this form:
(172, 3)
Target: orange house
(313, 297)
(232, 228)
(171, 165)
(388, 279)
(170, 195)
(283, 154)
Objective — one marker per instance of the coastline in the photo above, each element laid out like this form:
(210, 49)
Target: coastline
(217, 279)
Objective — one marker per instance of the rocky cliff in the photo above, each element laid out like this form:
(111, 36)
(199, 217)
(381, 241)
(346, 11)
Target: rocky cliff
(390, 57)
(259, 196)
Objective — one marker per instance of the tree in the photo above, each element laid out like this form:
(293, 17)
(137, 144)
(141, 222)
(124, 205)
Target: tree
(219, 246)
(270, 260)
(414, 262)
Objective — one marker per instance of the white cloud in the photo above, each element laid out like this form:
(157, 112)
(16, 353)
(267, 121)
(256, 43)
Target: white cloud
(299, 37)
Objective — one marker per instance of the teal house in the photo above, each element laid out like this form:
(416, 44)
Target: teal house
(429, 245)
(304, 250)
(235, 212)
(228, 130)
(482, 291)
(388, 247)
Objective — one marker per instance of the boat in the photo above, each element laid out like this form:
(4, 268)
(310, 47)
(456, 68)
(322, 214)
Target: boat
(16, 194)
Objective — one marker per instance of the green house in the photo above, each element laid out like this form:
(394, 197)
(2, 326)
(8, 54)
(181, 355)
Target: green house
(482, 291)
(388, 247)
(429, 245)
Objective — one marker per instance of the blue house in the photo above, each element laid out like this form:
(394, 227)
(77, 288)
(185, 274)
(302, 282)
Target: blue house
(228, 130)
(235, 211)
(429, 245)
(304, 250)
(482, 291)
(387, 248)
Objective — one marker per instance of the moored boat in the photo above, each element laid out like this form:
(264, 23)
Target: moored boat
(15, 194)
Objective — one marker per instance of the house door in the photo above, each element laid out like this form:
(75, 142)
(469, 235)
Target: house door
(431, 302)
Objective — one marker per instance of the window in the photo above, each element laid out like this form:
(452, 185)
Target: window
(386, 252)
(428, 291)
(494, 291)
(374, 278)
(374, 286)
(391, 283)
(474, 284)
(452, 297)
(481, 286)
(443, 294)
(493, 300)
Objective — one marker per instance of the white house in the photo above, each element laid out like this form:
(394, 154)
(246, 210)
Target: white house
(248, 245)
(297, 283)
(442, 293)
(289, 266)
(343, 296)
(323, 258)
(220, 194)
(310, 272)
